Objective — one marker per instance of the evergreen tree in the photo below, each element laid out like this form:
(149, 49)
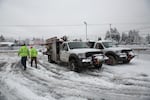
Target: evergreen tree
(113, 34)
(133, 37)
(2, 39)
(124, 38)
(148, 38)
(107, 37)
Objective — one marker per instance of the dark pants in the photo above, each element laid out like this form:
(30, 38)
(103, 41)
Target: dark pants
(34, 59)
(23, 62)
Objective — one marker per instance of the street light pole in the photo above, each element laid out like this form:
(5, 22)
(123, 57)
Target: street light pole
(85, 29)
(110, 33)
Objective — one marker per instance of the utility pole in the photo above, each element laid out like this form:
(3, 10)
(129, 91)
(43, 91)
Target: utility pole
(148, 38)
(85, 29)
(110, 27)
(110, 32)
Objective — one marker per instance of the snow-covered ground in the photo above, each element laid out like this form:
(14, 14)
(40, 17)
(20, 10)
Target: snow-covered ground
(55, 82)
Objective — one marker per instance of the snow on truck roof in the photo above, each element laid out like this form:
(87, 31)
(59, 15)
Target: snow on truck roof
(104, 41)
(72, 41)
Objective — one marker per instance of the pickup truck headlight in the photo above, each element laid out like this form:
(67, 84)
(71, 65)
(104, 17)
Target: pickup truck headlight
(81, 55)
(131, 53)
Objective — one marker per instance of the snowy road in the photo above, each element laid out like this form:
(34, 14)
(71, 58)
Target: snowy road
(55, 82)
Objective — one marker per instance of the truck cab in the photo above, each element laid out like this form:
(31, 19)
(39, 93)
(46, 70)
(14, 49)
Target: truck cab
(77, 54)
(114, 53)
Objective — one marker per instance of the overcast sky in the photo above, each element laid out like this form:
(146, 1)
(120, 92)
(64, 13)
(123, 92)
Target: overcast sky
(65, 17)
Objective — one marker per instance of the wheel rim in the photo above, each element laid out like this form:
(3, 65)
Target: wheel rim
(110, 61)
(72, 65)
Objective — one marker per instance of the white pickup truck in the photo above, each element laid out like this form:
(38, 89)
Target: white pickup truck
(77, 54)
(114, 53)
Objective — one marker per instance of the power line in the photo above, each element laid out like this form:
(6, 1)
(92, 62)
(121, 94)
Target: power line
(119, 24)
(131, 23)
(59, 25)
(40, 25)
(98, 24)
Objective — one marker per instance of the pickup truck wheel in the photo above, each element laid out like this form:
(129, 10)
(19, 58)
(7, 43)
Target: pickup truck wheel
(50, 59)
(98, 66)
(73, 65)
(126, 62)
(111, 60)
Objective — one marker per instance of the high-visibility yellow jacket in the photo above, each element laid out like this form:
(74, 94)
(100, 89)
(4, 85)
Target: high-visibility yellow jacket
(23, 51)
(33, 52)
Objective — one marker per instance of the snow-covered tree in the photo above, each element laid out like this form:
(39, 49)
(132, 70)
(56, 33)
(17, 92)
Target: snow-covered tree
(107, 36)
(124, 38)
(148, 38)
(2, 39)
(113, 34)
(133, 37)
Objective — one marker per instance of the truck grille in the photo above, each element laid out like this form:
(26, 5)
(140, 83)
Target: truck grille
(89, 54)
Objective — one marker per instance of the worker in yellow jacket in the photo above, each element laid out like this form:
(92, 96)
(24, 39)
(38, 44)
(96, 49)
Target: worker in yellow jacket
(24, 53)
(33, 55)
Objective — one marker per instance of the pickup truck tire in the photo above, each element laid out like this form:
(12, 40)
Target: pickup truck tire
(111, 60)
(126, 62)
(98, 66)
(73, 65)
(50, 59)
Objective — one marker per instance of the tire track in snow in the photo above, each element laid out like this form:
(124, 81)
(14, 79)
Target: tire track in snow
(58, 76)
(16, 70)
(141, 80)
(63, 84)
(8, 92)
(146, 94)
(46, 88)
(2, 64)
(39, 80)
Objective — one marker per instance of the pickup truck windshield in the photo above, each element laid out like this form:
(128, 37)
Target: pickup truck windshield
(108, 44)
(76, 45)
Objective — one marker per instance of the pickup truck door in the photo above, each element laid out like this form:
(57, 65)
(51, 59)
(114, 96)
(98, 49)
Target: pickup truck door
(64, 54)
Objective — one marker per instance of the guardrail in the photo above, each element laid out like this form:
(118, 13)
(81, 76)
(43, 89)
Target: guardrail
(9, 49)
(136, 47)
